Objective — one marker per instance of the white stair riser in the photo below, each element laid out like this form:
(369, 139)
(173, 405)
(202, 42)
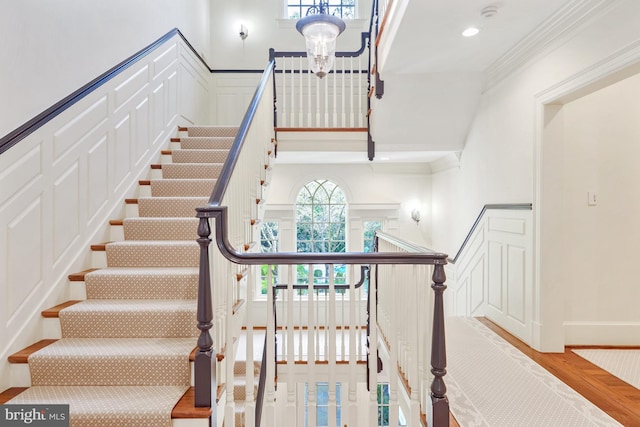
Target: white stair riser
(144, 191)
(52, 328)
(20, 375)
(131, 210)
(98, 259)
(116, 233)
(77, 290)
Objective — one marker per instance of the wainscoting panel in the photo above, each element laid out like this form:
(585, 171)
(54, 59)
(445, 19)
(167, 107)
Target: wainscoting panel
(517, 289)
(494, 284)
(477, 285)
(66, 211)
(23, 266)
(61, 184)
(232, 95)
(495, 272)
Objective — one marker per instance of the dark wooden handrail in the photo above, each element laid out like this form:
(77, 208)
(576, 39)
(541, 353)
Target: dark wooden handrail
(508, 206)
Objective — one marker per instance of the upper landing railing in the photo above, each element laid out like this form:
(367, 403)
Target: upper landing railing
(341, 100)
(232, 207)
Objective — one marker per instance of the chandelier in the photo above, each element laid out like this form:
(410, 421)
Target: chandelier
(320, 31)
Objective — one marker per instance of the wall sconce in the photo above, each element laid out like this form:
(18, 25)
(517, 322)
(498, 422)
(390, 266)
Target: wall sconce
(244, 32)
(415, 215)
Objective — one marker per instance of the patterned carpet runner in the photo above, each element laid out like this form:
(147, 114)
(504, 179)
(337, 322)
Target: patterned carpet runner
(123, 359)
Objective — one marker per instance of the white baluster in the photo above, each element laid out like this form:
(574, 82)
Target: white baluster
(300, 79)
(326, 101)
(317, 123)
(360, 96)
(290, 411)
(309, 113)
(283, 115)
(331, 326)
(311, 358)
(343, 94)
(353, 353)
(293, 92)
(351, 110)
(335, 98)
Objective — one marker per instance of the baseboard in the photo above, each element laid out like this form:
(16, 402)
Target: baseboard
(602, 333)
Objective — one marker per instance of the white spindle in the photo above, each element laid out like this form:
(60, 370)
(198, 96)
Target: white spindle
(317, 123)
(311, 358)
(373, 358)
(331, 326)
(353, 354)
(335, 98)
(293, 92)
(351, 114)
(290, 411)
(283, 112)
(309, 115)
(249, 359)
(360, 96)
(300, 80)
(343, 112)
(326, 101)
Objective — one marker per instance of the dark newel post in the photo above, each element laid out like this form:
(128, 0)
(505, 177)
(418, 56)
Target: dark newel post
(439, 352)
(205, 368)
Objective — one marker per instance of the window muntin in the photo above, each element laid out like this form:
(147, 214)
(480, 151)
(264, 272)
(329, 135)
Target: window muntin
(344, 9)
(321, 227)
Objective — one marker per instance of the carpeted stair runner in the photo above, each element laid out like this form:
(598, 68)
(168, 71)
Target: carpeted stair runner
(124, 356)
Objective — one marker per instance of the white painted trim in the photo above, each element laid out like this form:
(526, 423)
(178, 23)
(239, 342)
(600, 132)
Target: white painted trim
(620, 64)
(602, 333)
(554, 31)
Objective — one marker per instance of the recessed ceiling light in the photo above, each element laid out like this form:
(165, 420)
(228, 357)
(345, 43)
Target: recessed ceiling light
(470, 32)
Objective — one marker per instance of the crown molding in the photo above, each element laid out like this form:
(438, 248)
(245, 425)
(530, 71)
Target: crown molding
(556, 29)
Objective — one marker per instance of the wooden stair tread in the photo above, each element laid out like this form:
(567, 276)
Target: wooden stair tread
(117, 222)
(23, 355)
(185, 408)
(54, 312)
(10, 393)
(79, 276)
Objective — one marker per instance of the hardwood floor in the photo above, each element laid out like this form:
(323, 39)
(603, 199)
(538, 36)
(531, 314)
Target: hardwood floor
(614, 396)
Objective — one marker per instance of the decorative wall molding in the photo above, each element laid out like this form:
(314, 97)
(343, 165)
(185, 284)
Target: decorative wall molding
(493, 274)
(65, 180)
(552, 32)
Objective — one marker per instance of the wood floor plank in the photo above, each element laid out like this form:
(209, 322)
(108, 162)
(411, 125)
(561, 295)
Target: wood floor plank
(609, 393)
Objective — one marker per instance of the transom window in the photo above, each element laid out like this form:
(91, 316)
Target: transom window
(345, 9)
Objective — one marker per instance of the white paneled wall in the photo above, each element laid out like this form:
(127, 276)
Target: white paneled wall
(232, 93)
(60, 185)
(493, 276)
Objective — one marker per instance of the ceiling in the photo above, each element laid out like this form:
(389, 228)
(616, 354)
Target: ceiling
(434, 29)
(434, 76)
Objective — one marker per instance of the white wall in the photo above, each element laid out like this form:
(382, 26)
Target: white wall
(372, 190)
(61, 184)
(501, 161)
(266, 30)
(601, 151)
(52, 48)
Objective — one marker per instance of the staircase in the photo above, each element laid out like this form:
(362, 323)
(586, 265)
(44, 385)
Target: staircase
(129, 334)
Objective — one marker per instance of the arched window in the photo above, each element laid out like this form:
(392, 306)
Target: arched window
(321, 227)
(321, 218)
